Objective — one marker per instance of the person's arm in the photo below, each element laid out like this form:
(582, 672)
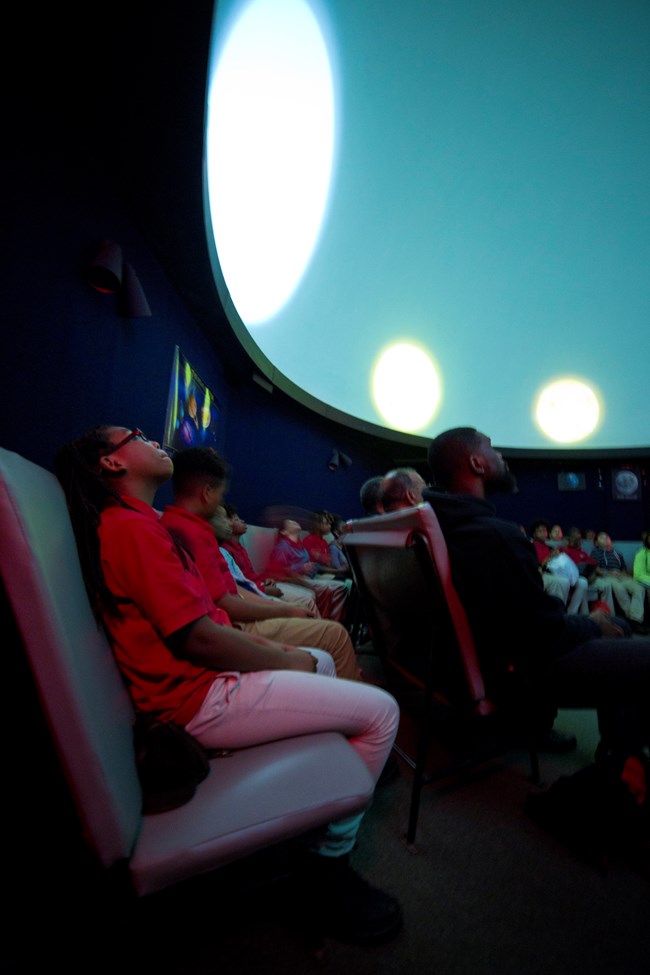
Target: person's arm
(246, 607)
(207, 644)
(624, 569)
(284, 566)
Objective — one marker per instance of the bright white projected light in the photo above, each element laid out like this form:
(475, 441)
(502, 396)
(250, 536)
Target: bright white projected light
(270, 151)
(405, 387)
(567, 410)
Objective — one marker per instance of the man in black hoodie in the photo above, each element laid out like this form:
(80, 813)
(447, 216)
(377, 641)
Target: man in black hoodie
(524, 637)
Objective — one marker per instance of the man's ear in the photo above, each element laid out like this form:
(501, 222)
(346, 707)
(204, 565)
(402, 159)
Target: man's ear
(476, 465)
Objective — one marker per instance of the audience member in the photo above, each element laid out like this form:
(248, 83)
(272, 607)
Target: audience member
(290, 561)
(558, 564)
(320, 549)
(369, 495)
(184, 662)
(316, 543)
(628, 592)
(556, 537)
(339, 562)
(554, 585)
(197, 519)
(290, 593)
(641, 565)
(401, 488)
(589, 568)
(568, 660)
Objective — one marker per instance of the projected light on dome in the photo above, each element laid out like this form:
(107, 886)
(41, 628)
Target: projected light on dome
(567, 410)
(385, 174)
(405, 387)
(270, 152)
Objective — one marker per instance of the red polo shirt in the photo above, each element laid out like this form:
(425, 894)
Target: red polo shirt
(159, 592)
(318, 548)
(197, 536)
(579, 556)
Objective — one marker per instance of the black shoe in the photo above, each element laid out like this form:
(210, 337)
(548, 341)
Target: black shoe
(346, 907)
(557, 742)
(597, 813)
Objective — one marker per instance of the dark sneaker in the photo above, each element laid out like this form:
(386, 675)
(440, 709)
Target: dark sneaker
(599, 811)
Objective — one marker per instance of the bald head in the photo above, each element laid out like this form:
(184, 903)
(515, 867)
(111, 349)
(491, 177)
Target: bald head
(401, 488)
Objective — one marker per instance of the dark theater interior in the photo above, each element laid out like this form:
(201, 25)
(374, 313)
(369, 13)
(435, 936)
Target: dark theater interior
(105, 141)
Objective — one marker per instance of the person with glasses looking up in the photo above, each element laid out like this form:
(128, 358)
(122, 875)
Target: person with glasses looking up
(183, 662)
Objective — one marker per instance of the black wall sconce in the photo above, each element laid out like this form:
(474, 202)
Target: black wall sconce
(109, 273)
(338, 459)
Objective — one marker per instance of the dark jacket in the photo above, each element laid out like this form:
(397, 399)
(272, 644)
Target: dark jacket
(496, 573)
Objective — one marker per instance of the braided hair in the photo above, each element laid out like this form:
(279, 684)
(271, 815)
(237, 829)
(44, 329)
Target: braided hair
(87, 487)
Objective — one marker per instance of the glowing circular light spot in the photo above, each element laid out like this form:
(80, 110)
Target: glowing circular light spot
(270, 152)
(567, 410)
(405, 387)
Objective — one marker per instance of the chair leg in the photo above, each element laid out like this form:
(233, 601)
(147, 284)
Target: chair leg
(420, 765)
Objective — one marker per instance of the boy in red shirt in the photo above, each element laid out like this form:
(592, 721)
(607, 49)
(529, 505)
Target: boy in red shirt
(200, 480)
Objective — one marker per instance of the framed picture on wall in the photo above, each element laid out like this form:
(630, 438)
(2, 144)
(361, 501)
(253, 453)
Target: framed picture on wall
(192, 411)
(626, 484)
(571, 481)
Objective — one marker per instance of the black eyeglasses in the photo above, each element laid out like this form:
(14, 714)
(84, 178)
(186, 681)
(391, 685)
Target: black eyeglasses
(134, 435)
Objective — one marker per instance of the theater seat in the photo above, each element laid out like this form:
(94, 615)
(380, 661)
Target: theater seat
(252, 799)
(401, 567)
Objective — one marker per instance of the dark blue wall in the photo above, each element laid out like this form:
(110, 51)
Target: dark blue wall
(70, 361)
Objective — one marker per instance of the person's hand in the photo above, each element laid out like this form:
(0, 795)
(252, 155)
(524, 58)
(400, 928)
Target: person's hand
(300, 660)
(607, 628)
(270, 589)
(297, 612)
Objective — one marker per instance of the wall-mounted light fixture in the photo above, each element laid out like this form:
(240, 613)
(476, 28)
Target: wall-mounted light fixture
(133, 301)
(109, 273)
(104, 272)
(338, 459)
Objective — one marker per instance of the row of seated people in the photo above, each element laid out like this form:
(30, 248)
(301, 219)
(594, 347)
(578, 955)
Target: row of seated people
(299, 565)
(582, 580)
(596, 570)
(199, 520)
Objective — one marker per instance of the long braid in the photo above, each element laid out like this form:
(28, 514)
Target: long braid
(86, 491)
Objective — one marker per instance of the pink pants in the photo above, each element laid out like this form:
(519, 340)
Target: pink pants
(251, 708)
